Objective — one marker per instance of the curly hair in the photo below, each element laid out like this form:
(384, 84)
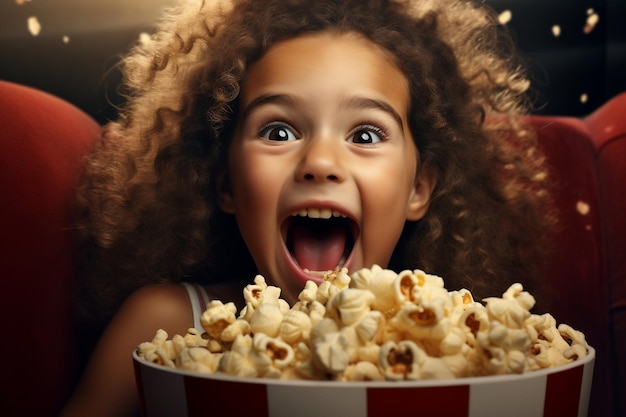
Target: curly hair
(148, 201)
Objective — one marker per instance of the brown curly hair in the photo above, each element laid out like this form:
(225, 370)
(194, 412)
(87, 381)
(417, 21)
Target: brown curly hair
(149, 210)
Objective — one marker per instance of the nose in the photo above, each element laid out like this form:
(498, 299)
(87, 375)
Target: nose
(321, 161)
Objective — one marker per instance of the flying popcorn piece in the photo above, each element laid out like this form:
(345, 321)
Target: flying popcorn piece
(65, 39)
(505, 17)
(556, 31)
(34, 27)
(592, 21)
(582, 207)
(584, 98)
(145, 38)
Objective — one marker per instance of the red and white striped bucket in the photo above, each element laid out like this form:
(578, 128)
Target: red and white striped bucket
(558, 391)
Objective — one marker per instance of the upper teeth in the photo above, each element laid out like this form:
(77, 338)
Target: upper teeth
(319, 213)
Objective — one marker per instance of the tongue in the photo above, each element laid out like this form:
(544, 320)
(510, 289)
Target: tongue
(319, 248)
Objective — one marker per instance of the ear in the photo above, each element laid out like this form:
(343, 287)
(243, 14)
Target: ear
(224, 193)
(419, 200)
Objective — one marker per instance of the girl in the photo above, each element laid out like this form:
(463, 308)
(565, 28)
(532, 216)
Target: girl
(292, 137)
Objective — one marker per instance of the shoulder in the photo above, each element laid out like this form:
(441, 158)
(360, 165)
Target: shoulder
(159, 306)
(159, 298)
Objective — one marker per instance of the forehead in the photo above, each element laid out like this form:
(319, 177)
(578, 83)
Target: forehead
(328, 61)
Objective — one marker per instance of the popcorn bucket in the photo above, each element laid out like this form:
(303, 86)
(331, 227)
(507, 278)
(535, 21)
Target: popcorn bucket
(559, 391)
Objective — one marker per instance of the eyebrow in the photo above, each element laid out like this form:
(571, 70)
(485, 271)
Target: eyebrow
(354, 102)
(267, 99)
(370, 103)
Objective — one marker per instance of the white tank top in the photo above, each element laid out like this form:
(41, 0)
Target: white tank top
(199, 300)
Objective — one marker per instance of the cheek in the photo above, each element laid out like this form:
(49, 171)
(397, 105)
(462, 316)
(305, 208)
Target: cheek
(386, 207)
(249, 183)
(381, 231)
(255, 191)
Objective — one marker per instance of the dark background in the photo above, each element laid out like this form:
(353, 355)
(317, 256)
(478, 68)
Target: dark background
(75, 54)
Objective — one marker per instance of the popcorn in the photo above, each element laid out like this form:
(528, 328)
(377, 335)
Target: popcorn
(238, 361)
(218, 317)
(271, 355)
(363, 371)
(266, 319)
(193, 338)
(330, 353)
(380, 283)
(234, 329)
(401, 360)
(349, 306)
(295, 327)
(34, 27)
(197, 359)
(373, 325)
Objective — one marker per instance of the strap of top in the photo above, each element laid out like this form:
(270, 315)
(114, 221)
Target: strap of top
(199, 300)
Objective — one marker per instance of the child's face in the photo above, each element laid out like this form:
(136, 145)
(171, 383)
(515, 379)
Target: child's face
(323, 132)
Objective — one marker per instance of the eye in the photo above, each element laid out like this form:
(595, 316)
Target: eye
(367, 135)
(277, 131)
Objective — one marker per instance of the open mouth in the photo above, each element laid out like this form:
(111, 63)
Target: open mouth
(318, 240)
